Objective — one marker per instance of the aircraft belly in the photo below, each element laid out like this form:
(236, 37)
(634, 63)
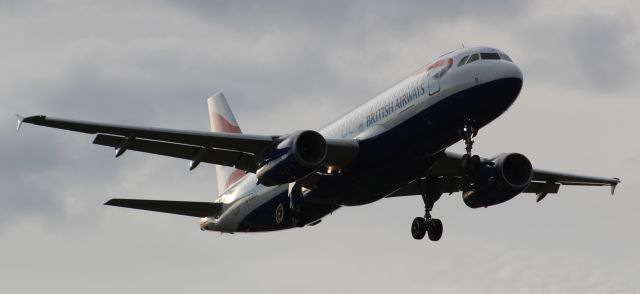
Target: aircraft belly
(404, 152)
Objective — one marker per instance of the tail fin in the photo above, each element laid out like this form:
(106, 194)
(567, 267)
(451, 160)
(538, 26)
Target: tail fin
(223, 121)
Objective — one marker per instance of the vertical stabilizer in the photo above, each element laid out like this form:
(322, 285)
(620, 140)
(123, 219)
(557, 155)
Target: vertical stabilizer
(223, 121)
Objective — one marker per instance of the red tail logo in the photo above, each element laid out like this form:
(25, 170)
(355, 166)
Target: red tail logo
(219, 123)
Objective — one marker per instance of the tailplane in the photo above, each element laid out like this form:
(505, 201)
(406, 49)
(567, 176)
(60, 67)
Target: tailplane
(223, 121)
(197, 209)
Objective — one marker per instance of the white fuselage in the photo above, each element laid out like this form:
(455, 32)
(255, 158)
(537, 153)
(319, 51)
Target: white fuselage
(414, 94)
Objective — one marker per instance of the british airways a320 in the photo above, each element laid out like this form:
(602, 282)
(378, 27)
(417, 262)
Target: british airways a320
(394, 145)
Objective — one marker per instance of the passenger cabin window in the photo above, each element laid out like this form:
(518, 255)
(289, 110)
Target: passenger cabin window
(462, 60)
(473, 58)
(490, 56)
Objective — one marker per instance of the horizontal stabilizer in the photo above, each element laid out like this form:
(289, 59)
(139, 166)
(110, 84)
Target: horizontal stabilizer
(197, 209)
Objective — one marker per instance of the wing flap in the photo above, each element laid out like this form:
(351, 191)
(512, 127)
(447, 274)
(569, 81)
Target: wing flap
(447, 185)
(211, 155)
(543, 188)
(195, 209)
(572, 179)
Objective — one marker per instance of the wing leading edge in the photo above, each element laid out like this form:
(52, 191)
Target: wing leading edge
(238, 150)
(241, 151)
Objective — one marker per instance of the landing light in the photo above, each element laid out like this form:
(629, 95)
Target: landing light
(330, 170)
(204, 223)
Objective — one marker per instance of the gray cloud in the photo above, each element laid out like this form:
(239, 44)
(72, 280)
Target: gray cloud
(594, 51)
(154, 63)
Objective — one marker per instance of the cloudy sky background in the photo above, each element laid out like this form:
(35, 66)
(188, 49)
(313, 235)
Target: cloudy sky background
(292, 65)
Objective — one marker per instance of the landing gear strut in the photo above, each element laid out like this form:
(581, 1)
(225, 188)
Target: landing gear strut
(295, 199)
(469, 162)
(430, 190)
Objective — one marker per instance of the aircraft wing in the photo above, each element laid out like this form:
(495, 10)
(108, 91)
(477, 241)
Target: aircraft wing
(449, 170)
(241, 151)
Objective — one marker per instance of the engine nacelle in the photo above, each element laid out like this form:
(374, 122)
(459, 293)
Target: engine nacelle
(499, 180)
(298, 155)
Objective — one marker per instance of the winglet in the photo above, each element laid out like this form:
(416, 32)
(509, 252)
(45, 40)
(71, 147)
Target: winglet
(20, 119)
(613, 187)
(30, 120)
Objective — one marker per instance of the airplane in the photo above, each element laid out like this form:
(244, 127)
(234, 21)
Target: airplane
(394, 145)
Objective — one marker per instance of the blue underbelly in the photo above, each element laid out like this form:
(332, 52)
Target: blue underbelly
(403, 153)
(397, 156)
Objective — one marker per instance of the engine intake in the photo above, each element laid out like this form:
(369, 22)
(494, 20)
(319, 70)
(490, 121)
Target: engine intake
(298, 155)
(499, 180)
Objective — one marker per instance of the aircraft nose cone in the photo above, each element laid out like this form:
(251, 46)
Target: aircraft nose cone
(509, 70)
(514, 72)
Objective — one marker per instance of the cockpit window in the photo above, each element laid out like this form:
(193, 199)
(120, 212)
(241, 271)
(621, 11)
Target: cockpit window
(473, 58)
(492, 56)
(505, 57)
(462, 60)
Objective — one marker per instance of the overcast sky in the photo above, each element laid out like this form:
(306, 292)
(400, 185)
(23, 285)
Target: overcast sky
(293, 65)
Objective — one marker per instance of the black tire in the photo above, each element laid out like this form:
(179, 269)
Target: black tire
(434, 228)
(418, 228)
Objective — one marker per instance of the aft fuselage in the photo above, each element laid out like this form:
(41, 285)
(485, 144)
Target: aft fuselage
(400, 132)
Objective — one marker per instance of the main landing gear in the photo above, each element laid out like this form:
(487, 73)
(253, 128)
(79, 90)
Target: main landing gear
(469, 162)
(430, 190)
(295, 199)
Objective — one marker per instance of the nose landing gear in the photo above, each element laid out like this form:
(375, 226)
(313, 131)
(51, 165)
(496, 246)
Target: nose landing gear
(421, 226)
(469, 162)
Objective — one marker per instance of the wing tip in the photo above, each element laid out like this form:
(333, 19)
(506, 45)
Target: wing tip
(34, 119)
(614, 185)
(20, 120)
(112, 202)
(28, 119)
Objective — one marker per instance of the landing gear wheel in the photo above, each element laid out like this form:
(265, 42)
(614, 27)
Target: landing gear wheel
(434, 228)
(279, 213)
(431, 190)
(418, 228)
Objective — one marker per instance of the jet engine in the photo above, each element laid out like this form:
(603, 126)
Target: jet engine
(298, 155)
(499, 180)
